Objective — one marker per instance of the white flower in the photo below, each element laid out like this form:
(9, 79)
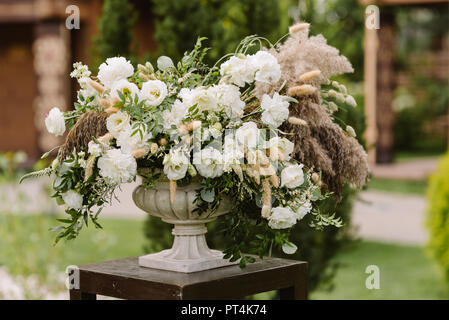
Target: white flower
(281, 218)
(238, 70)
(209, 162)
(248, 134)
(129, 142)
(280, 148)
(73, 199)
(177, 163)
(289, 248)
(95, 149)
(80, 71)
(128, 89)
(154, 91)
(232, 153)
(350, 130)
(114, 69)
(304, 209)
(204, 98)
(55, 122)
(268, 68)
(118, 122)
(228, 96)
(82, 162)
(117, 167)
(175, 115)
(292, 176)
(275, 109)
(351, 101)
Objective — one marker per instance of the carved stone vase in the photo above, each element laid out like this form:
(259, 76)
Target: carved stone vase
(190, 252)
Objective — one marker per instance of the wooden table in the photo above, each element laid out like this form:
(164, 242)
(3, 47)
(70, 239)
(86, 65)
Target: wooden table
(125, 279)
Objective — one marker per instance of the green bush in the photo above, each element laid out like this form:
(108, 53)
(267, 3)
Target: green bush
(115, 29)
(438, 216)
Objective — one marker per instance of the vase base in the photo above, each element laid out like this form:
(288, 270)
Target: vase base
(161, 261)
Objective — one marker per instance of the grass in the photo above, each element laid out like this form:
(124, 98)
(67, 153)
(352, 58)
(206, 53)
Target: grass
(405, 273)
(398, 186)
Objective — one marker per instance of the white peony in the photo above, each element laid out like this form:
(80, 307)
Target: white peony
(174, 116)
(304, 209)
(73, 199)
(280, 148)
(117, 167)
(118, 122)
(268, 68)
(292, 176)
(228, 96)
(128, 89)
(281, 218)
(114, 69)
(248, 135)
(175, 168)
(55, 122)
(275, 110)
(129, 142)
(209, 162)
(154, 91)
(289, 248)
(238, 70)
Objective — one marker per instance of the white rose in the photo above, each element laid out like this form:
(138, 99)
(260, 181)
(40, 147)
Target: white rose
(117, 167)
(114, 69)
(281, 218)
(303, 210)
(55, 122)
(292, 176)
(128, 142)
(73, 199)
(280, 148)
(289, 248)
(238, 70)
(204, 98)
(228, 96)
(275, 109)
(118, 122)
(209, 162)
(248, 134)
(175, 168)
(268, 68)
(154, 91)
(128, 89)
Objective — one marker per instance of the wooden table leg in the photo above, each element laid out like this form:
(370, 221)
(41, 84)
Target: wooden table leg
(79, 295)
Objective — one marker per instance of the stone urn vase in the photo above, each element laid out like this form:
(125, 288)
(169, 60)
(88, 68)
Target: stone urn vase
(190, 252)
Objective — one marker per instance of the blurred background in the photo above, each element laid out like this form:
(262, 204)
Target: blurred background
(399, 222)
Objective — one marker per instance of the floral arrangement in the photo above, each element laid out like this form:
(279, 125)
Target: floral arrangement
(257, 127)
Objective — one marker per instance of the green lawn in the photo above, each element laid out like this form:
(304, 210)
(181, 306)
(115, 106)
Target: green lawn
(398, 186)
(405, 273)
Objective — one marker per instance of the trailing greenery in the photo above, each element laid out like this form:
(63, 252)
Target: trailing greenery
(438, 216)
(115, 29)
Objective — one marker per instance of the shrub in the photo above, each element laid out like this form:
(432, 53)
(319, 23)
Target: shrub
(438, 216)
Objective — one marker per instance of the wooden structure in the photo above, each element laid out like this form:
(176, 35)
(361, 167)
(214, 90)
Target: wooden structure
(379, 45)
(36, 55)
(124, 279)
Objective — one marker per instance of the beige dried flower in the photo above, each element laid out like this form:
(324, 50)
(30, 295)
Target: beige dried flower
(139, 153)
(94, 84)
(310, 75)
(297, 121)
(302, 90)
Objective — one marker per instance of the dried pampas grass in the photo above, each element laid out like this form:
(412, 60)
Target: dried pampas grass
(307, 62)
(90, 124)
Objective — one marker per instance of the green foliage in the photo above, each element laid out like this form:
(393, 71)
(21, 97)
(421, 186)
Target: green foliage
(224, 23)
(115, 29)
(438, 216)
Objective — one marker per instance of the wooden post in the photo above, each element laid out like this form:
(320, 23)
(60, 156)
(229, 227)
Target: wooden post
(370, 88)
(385, 87)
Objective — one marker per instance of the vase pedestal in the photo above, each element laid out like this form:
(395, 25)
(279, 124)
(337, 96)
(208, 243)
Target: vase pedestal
(189, 253)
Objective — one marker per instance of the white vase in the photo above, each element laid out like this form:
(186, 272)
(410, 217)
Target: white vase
(190, 252)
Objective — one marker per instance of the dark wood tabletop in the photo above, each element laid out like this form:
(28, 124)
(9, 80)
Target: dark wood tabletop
(124, 278)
